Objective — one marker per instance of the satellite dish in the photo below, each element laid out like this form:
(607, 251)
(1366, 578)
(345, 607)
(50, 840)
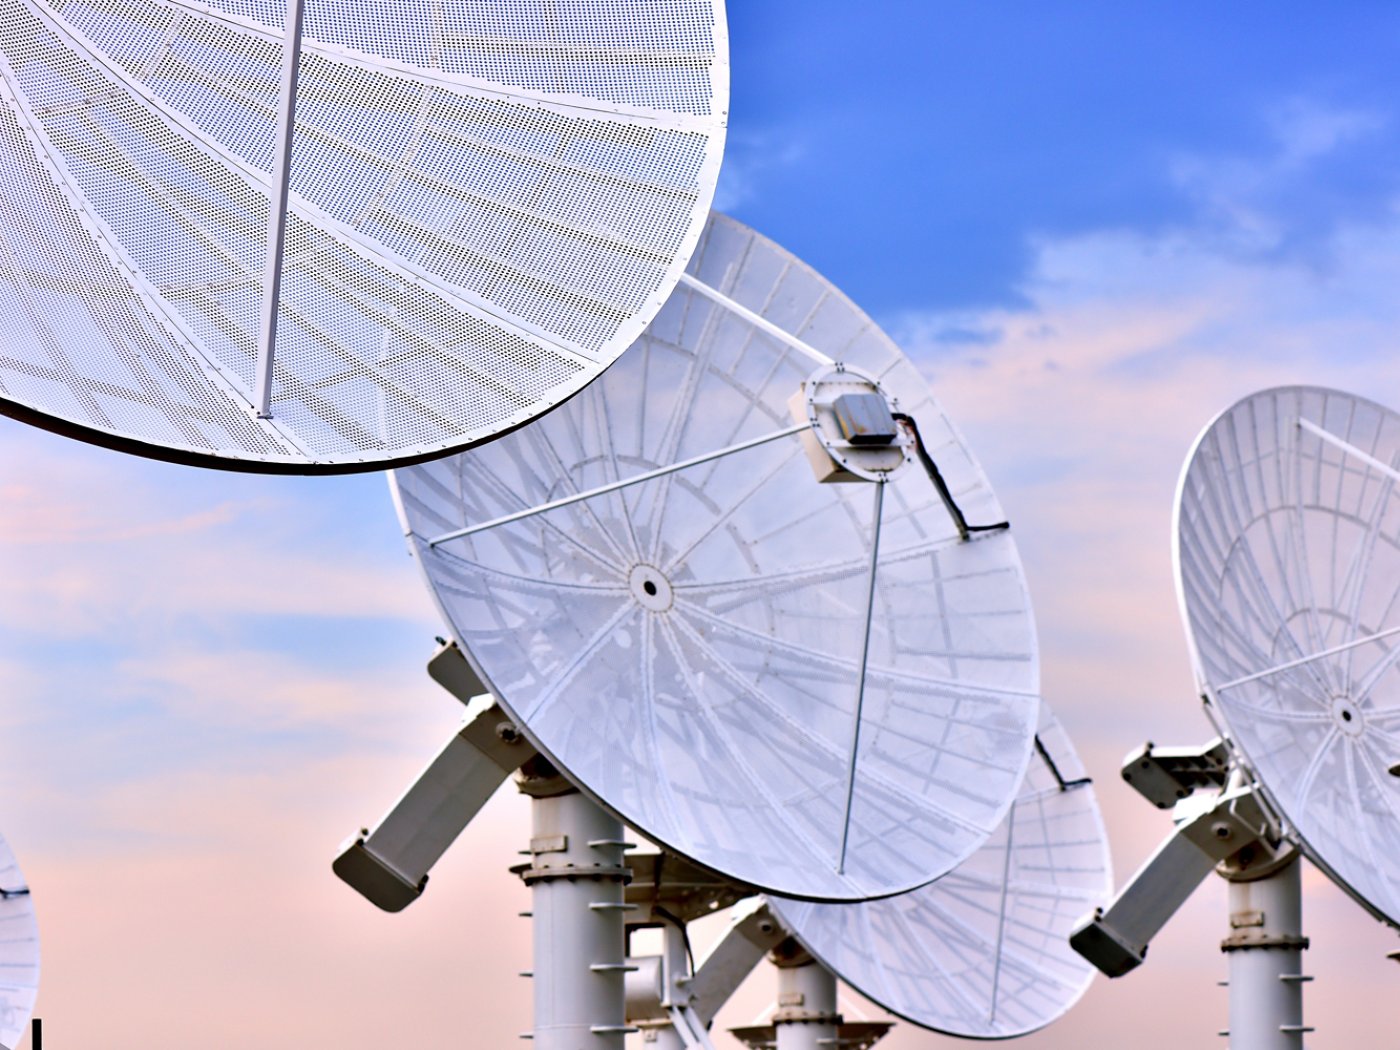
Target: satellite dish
(19, 950)
(828, 691)
(432, 224)
(984, 952)
(1288, 569)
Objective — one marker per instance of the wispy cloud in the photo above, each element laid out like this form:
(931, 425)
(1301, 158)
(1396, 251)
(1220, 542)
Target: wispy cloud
(1284, 198)
(749, 157)
(1308, 129)
(267, 690)
(89, 540)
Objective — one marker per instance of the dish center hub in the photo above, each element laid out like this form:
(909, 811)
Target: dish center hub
(650, 587)
(1348, 716)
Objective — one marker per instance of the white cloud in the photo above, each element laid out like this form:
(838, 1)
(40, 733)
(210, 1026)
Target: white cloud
(1307, 130)
(1254, 203)
(747, 159)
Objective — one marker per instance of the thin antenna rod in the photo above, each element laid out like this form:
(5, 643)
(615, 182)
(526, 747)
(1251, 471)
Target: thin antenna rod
(1309, 659)
(761, 323)
(1332, 439)
(602, 490)
(1001, 907)
(277, 210)
(860, 681)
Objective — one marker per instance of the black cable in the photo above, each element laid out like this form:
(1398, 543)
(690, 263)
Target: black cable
(936, 476)
(1065, 785)
(685, 934)
(23, 891)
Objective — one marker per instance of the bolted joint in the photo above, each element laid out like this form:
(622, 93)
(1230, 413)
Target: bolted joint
(1257, 860)
(529, 874)
(798, 1016)
(1235, 821)
(1248, 930)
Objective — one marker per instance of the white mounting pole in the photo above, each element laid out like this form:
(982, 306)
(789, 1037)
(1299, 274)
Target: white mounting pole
(576, 878)
(1265, 947)
(806, 1018)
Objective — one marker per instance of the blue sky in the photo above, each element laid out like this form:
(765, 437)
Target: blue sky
(1092, 227)
(916, 150)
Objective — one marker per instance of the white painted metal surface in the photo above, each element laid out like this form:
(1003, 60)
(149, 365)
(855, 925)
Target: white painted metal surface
(1229, 830)
(1288, 569)
(269, 310)
(389, 865)
(1265, 946)
(806, 1018)
(752, 933)
(484, 205)
(702, 650)
(576, 877)
(984, 951)
(19, 950)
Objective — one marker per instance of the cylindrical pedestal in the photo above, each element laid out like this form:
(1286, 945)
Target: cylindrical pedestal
(1265, 949)
(806, 1018)
(576, 879)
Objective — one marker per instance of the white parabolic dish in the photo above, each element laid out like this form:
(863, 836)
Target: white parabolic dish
(983, 953)
(689, 648)
(19, 950)
(486, 202)
(1288, 569)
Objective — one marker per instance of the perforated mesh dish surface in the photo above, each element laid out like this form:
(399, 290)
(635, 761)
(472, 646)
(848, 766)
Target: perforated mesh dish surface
(1288, 569)
(983, 952)
(19, 950)
(717, 712)
(488, 200)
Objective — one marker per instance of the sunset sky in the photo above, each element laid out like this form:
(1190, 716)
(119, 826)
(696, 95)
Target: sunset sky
(1092, 229)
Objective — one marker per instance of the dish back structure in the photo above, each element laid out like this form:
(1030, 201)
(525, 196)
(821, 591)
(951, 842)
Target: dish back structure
(983, 953)
(692, 649)
(421, 228)
(1288, 570)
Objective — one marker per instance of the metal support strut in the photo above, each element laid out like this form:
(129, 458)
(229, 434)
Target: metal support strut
(277, 209)
(876, 521)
